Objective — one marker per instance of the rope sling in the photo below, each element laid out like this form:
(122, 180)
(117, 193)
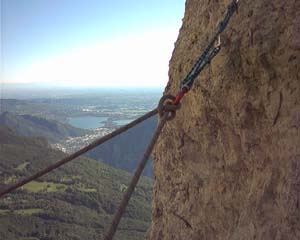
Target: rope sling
(167, 107)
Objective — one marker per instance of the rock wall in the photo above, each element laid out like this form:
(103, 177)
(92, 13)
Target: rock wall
(228, 165)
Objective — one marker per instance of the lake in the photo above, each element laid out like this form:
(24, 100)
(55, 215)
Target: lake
(87, 122)
(90, 122)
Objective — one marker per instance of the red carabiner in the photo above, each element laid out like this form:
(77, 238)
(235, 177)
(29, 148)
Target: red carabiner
(180, 95)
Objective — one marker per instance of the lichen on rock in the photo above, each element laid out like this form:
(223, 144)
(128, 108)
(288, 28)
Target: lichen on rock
(228, 165)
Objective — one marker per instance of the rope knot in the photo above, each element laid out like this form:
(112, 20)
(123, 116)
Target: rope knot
(167, 108)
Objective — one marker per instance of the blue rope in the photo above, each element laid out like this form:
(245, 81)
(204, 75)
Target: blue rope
(208, 54)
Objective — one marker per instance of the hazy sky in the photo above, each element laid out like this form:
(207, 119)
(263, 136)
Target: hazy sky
(89, 42)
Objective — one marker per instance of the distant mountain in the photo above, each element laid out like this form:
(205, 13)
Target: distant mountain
(31, 126)
(126, 150)
(74, 202)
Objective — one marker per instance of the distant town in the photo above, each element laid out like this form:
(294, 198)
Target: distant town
(71, 145)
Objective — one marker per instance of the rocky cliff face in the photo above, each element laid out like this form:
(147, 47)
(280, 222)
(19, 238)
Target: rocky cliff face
(228, 165)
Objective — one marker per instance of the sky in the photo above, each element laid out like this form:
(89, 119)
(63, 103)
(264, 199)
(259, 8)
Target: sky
(88, 42)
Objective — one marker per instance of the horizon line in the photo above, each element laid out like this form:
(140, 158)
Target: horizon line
(41, 85)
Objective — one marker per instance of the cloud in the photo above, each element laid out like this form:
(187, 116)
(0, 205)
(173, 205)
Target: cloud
(133, 60)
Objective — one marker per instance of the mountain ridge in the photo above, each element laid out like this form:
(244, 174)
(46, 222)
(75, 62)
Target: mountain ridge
(32, 126)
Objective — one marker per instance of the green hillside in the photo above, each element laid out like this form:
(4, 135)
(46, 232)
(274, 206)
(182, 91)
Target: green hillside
(32, 126)
(74, 202)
